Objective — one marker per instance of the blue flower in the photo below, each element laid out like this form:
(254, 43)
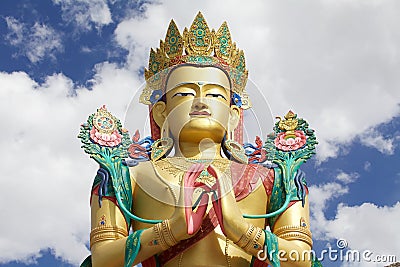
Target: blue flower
(155, 96)
(236, 100)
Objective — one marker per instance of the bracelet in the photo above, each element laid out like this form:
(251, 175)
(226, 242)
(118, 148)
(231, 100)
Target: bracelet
(245, 238)
(164, 235)
(168, 236)
(254, 245)
(157, 228)
(103, 233)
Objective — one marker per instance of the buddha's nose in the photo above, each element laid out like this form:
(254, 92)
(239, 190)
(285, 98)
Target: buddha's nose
(199, 104)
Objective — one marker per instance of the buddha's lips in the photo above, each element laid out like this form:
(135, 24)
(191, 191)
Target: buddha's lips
(199, 113)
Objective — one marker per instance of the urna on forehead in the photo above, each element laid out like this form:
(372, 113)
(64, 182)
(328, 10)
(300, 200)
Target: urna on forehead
(198, 75)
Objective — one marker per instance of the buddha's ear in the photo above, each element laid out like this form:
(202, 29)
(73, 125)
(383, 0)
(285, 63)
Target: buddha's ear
(234, 117)
(159, 113)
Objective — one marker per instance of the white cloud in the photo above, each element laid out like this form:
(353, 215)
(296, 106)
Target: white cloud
(16, 31)
(47, 179)
(374, 139)
(364, 227)
(335, 63)
(368, 227)
(85, 13)
(367, 166)
(347, 178)
(86, 49)
(319, 198)
(36, 42)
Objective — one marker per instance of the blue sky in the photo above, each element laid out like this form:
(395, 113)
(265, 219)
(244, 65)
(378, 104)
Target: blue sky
(335, 63)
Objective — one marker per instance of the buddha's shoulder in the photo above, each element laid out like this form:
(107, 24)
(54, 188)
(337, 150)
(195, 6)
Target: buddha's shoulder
(144, 168)
(141, 166)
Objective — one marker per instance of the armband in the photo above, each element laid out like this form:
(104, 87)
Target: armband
(103, 233)
(294, 232)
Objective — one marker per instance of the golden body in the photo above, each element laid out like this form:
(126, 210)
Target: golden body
(192, 91)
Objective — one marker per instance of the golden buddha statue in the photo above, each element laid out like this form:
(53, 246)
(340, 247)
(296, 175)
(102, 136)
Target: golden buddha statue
(191, 208)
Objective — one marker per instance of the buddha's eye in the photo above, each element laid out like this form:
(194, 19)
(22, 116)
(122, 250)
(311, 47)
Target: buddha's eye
(183, 94)
(217, 95)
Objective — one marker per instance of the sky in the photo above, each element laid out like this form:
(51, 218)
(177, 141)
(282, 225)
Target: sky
(336, 63)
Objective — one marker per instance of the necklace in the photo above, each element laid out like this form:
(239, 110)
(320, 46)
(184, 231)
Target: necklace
(228, 258)
(173, 188)
(177, 165)
(180, 260)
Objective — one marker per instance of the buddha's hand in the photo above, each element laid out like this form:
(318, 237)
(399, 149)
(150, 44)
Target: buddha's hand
(180, 219)
(234, 225)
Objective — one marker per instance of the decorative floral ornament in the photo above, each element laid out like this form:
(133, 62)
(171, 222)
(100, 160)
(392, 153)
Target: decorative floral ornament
(140, 149)
(287, 142)
(105, 139)
(102, 132)
(236, 100)
(290, 132)
(291, 144)
(155, 96)
(111, 156)
(256, 153)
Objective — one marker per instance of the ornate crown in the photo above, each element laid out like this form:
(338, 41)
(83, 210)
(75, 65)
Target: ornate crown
(198, 46)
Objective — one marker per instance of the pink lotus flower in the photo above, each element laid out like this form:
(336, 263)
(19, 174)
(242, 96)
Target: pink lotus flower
(105, 139)
(288, 143)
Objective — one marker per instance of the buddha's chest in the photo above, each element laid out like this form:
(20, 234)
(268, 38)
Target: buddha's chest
(157, 199)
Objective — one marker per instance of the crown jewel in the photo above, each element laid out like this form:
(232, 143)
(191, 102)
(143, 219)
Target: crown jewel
(200, 46)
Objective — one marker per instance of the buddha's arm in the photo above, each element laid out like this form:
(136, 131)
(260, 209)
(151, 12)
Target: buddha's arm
(292, 239)
(108, 248)
(107, 251)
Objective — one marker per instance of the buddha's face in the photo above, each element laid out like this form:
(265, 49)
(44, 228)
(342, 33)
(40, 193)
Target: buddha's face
(197, 105)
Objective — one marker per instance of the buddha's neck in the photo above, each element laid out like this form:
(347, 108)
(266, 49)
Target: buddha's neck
(203, 150)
